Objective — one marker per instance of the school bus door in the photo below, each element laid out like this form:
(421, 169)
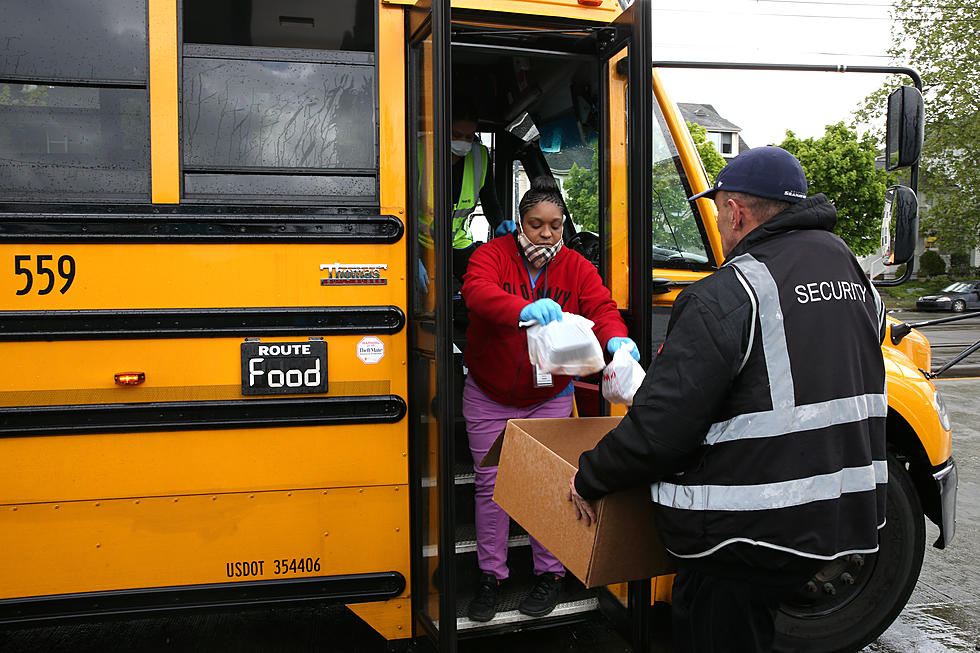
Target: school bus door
(431, 408)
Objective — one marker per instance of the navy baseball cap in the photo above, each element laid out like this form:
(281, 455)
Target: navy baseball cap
(768, 171)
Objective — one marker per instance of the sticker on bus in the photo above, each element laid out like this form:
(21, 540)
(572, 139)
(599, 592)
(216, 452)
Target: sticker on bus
(278, 368)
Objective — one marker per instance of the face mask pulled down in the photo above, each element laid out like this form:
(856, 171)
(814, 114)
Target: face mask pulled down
(537, 255)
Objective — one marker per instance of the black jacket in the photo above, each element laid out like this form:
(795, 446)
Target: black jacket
(762, 419)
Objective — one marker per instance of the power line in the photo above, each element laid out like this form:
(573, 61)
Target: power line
(821, 16)
(865, 4)
(819, 2)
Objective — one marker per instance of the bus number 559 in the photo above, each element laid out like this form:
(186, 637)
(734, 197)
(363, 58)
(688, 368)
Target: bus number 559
(44, 272)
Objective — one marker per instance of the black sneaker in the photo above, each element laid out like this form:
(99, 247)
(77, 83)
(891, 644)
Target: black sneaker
(543, 596)
(484, 605)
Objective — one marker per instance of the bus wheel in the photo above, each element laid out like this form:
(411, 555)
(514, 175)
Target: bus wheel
(853, 599)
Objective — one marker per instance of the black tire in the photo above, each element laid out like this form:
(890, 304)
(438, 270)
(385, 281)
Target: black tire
(854, 599)
(959, 306)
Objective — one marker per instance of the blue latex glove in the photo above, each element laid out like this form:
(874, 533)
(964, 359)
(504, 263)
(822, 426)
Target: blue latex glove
(423, 278)
(615, 343)
(544, 311)
(505, 227)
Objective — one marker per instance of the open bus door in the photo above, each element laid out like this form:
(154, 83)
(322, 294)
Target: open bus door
(558, 54)
(431, 405)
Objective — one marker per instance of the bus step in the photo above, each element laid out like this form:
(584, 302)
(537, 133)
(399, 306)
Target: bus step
(562, 611)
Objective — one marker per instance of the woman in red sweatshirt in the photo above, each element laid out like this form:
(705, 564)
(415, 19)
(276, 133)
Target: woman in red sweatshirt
(524, 276)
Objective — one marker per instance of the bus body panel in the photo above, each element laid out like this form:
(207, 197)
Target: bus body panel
(161, 541)
(186, 275)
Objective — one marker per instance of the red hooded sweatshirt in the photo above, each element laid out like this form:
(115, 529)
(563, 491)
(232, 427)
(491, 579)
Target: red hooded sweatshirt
(497, 287)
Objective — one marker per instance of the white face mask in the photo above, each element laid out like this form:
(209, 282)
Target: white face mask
(460, 148)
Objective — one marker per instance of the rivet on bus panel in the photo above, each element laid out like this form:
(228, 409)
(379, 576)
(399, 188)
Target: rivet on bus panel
(130, 378)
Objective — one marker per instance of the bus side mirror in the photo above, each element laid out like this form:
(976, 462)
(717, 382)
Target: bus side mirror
(900, 225)
(905, 128)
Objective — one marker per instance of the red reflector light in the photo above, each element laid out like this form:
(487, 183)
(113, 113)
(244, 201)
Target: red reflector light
(590, 3)
(130, 378)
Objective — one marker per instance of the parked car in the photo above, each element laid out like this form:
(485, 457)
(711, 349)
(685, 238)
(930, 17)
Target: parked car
(956, 297)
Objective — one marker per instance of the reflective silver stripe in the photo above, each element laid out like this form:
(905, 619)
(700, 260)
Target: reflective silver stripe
(773, 335)
(820, 415)
(755, 312)
(771, 496)
(880, 308)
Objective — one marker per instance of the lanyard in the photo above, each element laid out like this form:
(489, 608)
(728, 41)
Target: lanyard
(533, 278)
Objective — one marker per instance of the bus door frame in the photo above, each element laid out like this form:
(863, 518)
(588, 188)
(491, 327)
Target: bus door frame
(440, 629)
(636, 34)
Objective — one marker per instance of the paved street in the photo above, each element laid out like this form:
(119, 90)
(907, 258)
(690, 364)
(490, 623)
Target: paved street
(943, 613)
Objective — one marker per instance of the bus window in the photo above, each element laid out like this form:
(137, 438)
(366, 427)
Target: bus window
(678, 240)
(279, 102)
(73, 100)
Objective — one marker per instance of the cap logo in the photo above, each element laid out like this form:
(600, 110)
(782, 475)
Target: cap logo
(795, 193)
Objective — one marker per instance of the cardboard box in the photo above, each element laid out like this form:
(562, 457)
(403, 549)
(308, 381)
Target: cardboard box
(536, 457)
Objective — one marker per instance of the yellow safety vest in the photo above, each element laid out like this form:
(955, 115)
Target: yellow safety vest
(474, 174)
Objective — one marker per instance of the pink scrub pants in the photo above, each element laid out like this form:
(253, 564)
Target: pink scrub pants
(485, 420)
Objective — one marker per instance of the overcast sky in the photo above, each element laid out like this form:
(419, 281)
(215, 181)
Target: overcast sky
(766, 104)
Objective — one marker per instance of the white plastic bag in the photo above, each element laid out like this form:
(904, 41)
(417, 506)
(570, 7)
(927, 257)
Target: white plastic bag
(565, 347)
(622, 377)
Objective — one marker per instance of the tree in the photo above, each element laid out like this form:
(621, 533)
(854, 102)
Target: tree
(712, 160)
(941, 41)
(843, 168)
(582, 194)
(582, 186)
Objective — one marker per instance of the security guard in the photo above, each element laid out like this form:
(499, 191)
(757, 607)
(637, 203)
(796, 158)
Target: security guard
(760, 427)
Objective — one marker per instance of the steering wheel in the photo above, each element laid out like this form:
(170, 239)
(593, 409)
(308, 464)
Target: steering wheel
(586, 243)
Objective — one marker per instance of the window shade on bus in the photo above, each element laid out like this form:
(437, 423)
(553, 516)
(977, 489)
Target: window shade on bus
(73, 101)
(74, 40)
(278, 114)
(279, 100)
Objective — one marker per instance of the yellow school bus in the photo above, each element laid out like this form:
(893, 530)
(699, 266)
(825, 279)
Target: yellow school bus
(225, 382)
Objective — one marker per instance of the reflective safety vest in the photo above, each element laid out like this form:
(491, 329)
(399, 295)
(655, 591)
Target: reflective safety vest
(474, 175)
(804, 478)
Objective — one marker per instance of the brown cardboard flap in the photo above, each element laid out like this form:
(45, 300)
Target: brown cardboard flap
(628, 519)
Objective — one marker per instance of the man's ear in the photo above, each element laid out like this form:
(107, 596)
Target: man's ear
(738, 214)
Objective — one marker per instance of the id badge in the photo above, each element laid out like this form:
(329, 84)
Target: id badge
(542, 379)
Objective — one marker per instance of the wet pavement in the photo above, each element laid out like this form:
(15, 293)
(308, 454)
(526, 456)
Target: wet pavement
(943, 613)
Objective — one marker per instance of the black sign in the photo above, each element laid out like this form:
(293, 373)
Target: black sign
(278, 368)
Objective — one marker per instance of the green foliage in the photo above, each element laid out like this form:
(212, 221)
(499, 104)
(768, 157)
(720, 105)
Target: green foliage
(26, 95)
(712, 160)
(959, 264)
(843, 168)
(673, 224)
(931, 264)
(941, 41)
(582, 194)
